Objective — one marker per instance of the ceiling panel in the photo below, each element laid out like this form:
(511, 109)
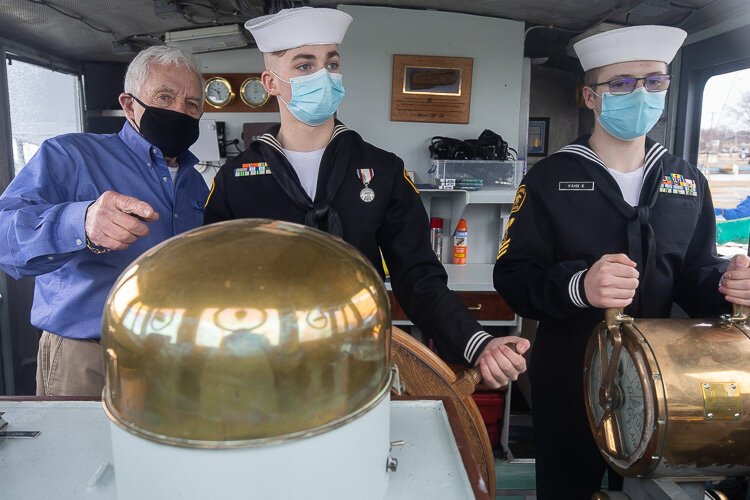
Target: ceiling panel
(84, 30)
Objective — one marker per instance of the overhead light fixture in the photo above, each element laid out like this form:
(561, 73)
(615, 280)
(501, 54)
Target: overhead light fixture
(230, 36)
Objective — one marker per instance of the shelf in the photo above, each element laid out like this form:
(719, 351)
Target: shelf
(483, 196)
(459, 200)
(470, 278)
(487, 222)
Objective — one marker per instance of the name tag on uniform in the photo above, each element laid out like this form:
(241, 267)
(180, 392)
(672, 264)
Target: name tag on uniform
(252, 169)
(677, 184)
(576, 186)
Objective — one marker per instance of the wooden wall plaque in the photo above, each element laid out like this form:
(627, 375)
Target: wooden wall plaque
(431, 89)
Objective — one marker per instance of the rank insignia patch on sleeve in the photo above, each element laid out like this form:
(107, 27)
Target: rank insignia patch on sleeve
(519, 199)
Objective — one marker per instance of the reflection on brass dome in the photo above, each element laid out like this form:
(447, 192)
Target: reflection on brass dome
(243, 333)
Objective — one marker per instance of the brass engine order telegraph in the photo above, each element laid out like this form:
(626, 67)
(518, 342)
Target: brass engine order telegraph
(670, 398)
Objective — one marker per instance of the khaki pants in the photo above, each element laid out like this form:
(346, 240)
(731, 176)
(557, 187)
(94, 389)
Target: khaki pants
(69, 367)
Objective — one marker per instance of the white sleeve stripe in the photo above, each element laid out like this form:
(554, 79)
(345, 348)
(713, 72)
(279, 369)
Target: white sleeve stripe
(575, 295)
(474, 342)
(477, 344)
(470, 344)
(577, 289)
(570, 288)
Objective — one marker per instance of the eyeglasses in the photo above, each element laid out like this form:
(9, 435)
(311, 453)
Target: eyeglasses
(622, 86)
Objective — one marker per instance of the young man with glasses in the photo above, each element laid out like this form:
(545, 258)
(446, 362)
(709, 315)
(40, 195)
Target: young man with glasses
(612, 220)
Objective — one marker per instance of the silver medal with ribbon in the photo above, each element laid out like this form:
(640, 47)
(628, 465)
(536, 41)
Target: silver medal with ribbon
(366, 175)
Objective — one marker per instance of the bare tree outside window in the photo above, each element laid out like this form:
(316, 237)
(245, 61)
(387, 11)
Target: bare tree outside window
(724, 155)
(741, 110)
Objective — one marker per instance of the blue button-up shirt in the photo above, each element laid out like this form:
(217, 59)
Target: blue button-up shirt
(42, 216)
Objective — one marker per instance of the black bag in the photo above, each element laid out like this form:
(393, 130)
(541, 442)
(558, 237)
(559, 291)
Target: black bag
(489, 146)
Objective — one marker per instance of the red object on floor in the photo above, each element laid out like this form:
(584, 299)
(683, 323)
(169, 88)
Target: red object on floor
(491, 405)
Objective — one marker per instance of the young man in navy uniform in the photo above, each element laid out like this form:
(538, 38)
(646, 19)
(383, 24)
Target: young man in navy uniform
(612, 220)
(313, 170)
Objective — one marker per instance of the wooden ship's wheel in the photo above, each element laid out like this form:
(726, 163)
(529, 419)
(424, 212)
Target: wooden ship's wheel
(422, 373)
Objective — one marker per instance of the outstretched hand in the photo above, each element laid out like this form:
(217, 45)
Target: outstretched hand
(115, 221)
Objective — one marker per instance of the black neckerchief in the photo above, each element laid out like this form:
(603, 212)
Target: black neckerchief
(640, 233)
(333, 167)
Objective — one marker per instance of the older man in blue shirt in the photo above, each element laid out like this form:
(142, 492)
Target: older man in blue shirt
(87, 205)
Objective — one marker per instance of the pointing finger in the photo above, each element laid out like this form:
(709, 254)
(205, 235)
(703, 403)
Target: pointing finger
(134, 206)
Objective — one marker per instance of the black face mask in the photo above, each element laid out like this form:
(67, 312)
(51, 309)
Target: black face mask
(170, 131)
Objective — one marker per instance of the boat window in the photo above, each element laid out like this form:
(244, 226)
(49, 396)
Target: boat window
(43, 104)
(724, 154)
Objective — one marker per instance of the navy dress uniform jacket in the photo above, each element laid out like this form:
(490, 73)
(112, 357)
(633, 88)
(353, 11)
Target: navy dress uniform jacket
(567, 214)
(260, 183)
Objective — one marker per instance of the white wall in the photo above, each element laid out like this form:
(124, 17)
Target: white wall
(496, 45)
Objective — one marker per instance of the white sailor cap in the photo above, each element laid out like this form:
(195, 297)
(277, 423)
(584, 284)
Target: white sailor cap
(292, 28)
(634, 43)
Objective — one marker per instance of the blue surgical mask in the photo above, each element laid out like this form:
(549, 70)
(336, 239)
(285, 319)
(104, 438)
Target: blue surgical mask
(633, 115)
(315, 97)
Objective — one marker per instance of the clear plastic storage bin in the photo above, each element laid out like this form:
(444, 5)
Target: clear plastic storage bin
(448, 174)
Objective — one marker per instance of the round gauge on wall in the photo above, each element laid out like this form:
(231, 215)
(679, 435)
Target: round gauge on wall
(219, 92)
(253, 93)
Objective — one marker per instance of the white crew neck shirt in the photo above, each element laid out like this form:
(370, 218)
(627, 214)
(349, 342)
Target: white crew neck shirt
(630, 184)
(307, 166)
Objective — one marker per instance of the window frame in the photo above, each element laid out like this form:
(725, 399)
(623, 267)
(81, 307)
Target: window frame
(699, 61)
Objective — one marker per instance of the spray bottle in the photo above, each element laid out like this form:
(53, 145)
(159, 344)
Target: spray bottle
(436, 236)
(460, 243)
